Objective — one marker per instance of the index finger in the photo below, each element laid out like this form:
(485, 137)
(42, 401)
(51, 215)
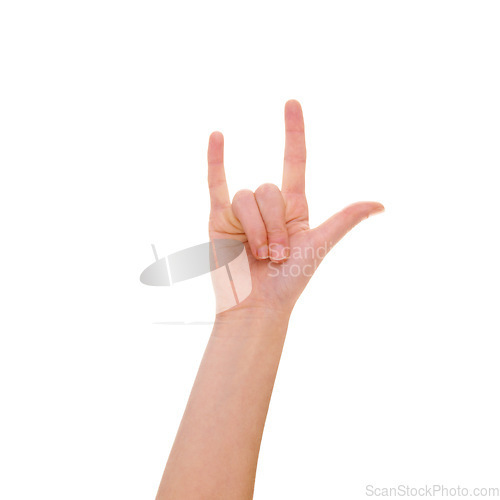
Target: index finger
(294, 165)
(219, 194)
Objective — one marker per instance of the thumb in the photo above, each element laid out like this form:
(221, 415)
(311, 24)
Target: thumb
(337, 226)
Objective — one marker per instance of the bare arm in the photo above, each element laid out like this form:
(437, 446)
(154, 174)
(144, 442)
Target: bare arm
(215, 452)
(217, 445)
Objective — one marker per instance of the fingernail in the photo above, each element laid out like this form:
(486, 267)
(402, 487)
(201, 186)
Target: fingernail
(378, 211)
(263, 252)
(278, 252)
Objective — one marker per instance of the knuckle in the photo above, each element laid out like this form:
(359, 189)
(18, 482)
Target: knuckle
(277, 232)
(242, 194)
(266, 189)
(256, 233)
(257, 239)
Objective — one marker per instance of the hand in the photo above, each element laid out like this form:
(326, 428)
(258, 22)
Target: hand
(283, 251)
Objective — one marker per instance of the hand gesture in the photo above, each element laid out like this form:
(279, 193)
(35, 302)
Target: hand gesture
(273, 223)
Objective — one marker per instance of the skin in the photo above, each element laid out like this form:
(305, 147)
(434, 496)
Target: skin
(215, 452)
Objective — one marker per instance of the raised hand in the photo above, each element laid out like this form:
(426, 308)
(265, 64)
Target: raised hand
(215, 452)
(283, 251)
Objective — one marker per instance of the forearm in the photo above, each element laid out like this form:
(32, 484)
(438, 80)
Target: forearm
(216, 448)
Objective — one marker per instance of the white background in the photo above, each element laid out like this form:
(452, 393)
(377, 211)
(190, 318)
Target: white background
(390, 371)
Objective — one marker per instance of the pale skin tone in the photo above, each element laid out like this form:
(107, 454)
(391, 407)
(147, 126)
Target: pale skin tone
(215, 452)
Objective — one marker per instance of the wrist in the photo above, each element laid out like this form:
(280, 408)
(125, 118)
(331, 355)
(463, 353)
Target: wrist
(252, 319)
